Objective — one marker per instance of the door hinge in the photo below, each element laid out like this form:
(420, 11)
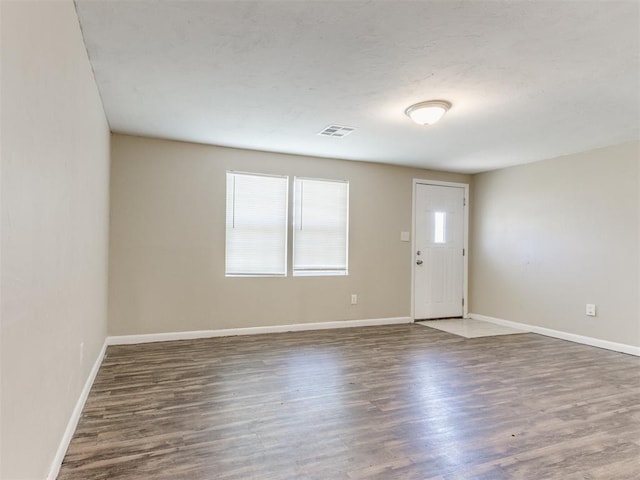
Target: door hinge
(464, 202)
(463, 252)
(463, 302)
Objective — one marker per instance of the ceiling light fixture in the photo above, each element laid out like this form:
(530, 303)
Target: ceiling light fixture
(428, 113)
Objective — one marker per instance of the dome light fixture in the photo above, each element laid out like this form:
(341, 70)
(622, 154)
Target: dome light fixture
(429, 112)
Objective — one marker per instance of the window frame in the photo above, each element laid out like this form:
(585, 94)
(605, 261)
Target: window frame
(286, 226)
(319, 272)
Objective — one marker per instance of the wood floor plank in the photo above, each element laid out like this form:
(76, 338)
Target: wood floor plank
(390, 402)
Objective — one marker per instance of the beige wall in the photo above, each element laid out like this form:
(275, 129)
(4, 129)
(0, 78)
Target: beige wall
(168, 233)
(55, 167)
(549, 237)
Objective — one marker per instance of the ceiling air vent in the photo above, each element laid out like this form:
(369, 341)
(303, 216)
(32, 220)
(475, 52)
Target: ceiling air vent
(336, 131)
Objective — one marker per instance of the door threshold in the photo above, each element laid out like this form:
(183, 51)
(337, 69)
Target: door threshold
(437, 318)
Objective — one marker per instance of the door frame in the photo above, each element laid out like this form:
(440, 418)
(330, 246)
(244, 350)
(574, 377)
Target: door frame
(465, 273)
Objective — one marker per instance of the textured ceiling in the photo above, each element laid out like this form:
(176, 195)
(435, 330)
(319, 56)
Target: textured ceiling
(528, 80)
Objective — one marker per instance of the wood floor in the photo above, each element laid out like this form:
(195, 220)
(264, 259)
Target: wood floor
(391, 402)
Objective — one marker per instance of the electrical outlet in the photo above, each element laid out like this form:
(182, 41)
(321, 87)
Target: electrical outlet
(354, 299)
(591, 310)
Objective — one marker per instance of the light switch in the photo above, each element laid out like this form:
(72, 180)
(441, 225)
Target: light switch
(405, 236)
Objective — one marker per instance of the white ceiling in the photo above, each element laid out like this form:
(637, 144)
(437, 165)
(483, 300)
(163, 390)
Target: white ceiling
(528, 79)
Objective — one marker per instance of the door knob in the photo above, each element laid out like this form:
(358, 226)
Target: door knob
(419, 262)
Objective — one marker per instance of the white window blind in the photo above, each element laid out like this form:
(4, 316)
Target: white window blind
(320, 227)
(256, 242)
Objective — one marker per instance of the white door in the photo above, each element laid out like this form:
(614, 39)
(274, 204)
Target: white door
(438, 259)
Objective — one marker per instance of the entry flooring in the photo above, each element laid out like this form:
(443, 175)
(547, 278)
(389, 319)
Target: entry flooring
(389, 402)
(469, 328)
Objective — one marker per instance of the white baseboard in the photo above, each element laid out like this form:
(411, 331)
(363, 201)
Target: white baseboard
(572, 337)
(75, 416)
(229, 332)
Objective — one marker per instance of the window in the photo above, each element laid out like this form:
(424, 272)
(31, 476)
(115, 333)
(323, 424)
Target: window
(320, 227)
(256, 242)
(440, 227)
